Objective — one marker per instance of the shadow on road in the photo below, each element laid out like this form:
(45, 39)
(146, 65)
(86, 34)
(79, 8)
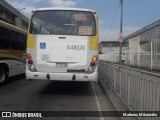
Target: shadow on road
(68, 88)
(15, 78)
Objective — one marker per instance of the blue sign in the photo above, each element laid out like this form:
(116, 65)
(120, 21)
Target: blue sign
(42, 45)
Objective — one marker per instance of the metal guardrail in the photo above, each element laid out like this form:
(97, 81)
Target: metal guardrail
(138, 89)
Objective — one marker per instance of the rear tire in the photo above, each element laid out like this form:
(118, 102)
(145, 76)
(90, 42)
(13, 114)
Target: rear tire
(3, 75)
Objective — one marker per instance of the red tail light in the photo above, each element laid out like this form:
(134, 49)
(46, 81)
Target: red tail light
(30, 61)
(92, 63)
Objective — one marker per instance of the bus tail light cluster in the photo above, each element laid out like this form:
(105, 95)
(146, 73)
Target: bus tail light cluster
(30, 62)
(93, 62)
(92, 65)
(29, 57)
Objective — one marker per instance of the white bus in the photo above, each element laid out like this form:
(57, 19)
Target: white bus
(62, 44)
(12, 51)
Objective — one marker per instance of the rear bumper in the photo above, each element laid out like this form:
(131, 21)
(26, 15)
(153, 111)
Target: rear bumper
(62, 76)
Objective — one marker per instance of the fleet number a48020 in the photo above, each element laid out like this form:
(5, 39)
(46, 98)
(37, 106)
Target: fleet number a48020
(75, 47)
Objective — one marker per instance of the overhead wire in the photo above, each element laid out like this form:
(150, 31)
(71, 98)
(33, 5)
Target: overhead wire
(105, 36)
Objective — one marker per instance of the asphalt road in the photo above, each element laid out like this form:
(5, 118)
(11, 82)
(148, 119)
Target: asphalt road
(22, 95)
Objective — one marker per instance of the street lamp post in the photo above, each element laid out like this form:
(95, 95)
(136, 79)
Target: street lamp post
(20, 11)
(20, 16)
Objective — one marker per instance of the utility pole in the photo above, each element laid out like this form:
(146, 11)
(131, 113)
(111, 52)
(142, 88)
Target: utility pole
(121, 31)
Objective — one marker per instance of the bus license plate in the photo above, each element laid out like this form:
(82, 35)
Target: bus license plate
(61, 65)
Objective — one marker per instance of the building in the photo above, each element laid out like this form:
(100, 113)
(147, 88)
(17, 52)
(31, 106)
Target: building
(148, 34)
(110, 46)
(144, 47)
(13, 16)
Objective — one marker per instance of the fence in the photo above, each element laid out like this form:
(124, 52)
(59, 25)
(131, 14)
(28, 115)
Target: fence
(146, 55)
(139, 90)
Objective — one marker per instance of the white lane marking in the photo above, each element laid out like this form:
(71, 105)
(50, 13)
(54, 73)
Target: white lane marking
(97, 102)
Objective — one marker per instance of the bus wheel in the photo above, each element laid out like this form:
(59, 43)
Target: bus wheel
(3, 75)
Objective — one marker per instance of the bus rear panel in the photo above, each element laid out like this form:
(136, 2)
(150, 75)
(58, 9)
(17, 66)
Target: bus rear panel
(62, 45)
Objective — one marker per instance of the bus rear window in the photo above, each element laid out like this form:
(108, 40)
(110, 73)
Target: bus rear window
(63, 23)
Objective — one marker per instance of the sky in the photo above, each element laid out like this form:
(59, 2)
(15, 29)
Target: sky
(136, 13)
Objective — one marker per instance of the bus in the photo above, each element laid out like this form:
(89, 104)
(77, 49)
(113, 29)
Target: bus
(12, 51)
(62, 45)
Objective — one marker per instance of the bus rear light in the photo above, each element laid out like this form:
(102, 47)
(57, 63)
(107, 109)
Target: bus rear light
(30, 61)
(92, 64)
(29, 56)
(94, 58)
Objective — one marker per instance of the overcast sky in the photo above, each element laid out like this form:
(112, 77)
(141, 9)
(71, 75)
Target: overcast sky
(137, 13)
